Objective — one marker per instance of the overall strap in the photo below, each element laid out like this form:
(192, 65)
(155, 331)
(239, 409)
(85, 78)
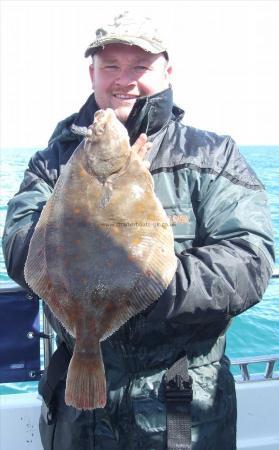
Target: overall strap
(178, 394)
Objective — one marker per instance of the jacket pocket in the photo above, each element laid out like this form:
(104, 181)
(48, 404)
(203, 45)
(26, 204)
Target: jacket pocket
(149, 411)
(150, 423)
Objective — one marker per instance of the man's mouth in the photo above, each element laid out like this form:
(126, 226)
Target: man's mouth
(125, 96)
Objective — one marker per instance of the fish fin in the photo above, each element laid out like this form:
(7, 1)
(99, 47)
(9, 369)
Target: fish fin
(86, 382)
(160, 267)
(35, 268)
(36, 273)
(157, 272)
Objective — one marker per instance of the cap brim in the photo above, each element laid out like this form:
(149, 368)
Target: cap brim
(138, 42)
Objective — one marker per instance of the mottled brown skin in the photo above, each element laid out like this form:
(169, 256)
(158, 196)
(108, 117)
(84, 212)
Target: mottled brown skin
(102, 250)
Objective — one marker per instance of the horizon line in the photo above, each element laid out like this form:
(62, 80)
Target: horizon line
(39, 147)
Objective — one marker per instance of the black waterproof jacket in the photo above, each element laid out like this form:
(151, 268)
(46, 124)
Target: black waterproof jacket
(223, 242)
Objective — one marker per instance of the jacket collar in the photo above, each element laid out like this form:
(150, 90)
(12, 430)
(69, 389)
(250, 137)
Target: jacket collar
(149, 114)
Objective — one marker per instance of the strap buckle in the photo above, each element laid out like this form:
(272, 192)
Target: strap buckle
(179, 389)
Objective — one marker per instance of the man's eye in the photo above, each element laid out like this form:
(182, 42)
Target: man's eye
(141, 68)
(111, 67)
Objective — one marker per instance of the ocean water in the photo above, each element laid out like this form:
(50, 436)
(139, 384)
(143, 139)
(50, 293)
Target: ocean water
(255, 332)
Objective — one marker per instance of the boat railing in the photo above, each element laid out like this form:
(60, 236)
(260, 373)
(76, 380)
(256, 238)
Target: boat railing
(245, 364)
(49, 341)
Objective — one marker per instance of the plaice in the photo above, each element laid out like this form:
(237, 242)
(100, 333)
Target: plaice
(101, 252)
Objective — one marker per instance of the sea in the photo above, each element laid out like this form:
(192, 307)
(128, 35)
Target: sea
(253, 333)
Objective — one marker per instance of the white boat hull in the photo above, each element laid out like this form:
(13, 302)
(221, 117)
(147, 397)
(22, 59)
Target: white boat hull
(257, 424)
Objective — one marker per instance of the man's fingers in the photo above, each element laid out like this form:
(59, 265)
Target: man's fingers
(143, 150)
(140, 142)
(141, 146)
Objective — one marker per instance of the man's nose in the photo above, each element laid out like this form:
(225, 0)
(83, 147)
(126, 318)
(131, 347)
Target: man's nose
(126, 77)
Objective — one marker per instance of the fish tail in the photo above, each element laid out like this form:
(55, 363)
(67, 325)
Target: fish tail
(86, 382)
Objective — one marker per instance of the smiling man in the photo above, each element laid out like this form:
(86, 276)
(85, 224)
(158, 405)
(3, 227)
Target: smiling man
(168, 381)
(121, 74)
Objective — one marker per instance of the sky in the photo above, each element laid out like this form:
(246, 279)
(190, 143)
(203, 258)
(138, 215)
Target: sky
(224, 54)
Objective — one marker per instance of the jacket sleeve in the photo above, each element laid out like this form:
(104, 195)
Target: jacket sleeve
(22, 215)
(228, 269)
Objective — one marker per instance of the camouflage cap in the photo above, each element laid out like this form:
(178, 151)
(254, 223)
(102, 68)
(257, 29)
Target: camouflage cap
(131, 30)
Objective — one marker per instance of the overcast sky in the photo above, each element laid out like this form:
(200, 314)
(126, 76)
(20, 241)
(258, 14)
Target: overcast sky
(225, 57)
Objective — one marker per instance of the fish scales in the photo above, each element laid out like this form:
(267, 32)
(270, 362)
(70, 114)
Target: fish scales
(102, 250)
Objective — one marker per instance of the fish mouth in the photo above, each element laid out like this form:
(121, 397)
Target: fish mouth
(100, 120)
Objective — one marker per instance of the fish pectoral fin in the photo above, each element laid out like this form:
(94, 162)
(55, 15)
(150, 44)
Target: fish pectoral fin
(86, 382)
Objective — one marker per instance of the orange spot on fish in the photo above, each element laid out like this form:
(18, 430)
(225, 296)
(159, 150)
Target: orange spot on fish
(77, 210)
(140, 208)
(109, 307)
(82, 172)
(136, 241)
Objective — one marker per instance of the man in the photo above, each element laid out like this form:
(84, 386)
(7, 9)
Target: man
(224, 248)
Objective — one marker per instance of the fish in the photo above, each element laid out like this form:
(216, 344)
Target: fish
(101, 252)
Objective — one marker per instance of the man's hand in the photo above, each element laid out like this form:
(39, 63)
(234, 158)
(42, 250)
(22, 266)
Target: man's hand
(141, 147)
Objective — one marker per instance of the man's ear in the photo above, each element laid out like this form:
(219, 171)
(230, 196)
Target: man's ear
(91, 73)
(169, 70)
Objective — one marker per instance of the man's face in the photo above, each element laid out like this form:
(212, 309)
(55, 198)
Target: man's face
(121, 73)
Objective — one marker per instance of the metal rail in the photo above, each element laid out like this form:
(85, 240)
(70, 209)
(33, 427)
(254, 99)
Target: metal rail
(49, 343)
(244, 363)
